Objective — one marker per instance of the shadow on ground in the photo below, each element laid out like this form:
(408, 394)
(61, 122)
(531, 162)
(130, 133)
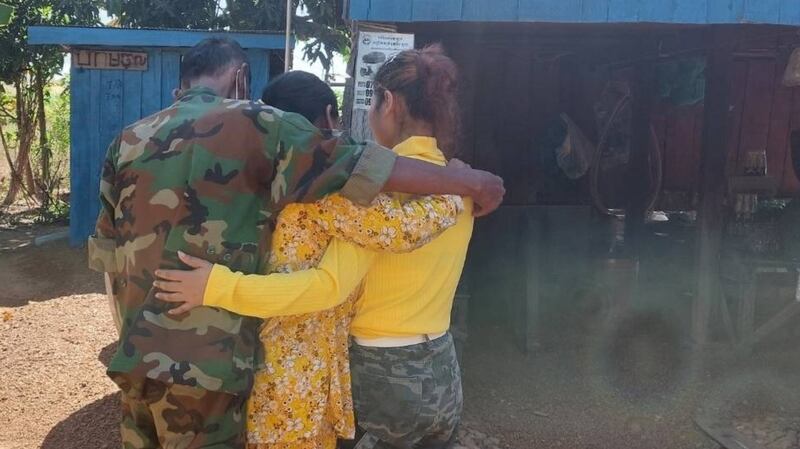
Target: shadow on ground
(107, 353)
(45, 272)
(95, 426)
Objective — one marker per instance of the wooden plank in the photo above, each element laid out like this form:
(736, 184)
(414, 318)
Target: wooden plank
(359, 10)
(595, 11)
(725, 435)
(132, 97)
(790, 182)
(560, 11)
(259, 71)
(518, 119)
(491, 10)
(659, 122)
(170, 75)
(762, 11)
(693, 172)
(678, 151)
(757, 108)
(436, 10)
(763, 185)
(97, 149)
(790, 13)
(746, 314)
(268, 69)
(390, 10)
(110, 124)
(780, 319)
(109, 59)
(487, 119)
(660, 11)
(738, 90)
(690, 11)
(463, 53)
(151, 84)
(623, 11)
(130, 37)
(724, 11)
(712, 185)
(644, 90)
(779, 126)
(533, 248)
(80, 150)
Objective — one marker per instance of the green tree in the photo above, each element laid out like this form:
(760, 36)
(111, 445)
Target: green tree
(25, 71)
(324, 31)
(5, 13)
(322, 27)
(192, 14)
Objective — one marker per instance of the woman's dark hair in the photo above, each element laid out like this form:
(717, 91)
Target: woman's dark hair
(428, 82)
(302, 93)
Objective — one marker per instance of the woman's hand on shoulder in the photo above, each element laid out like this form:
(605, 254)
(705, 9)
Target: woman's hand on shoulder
(184, 287)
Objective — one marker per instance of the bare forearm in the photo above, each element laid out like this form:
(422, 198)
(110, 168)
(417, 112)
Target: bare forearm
(423, 178)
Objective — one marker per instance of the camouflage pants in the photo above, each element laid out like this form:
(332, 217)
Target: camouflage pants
(158, 415)
(408, 397)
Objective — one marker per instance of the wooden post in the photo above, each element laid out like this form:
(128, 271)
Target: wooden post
(532, 251)
(644, 90)
(713, 160)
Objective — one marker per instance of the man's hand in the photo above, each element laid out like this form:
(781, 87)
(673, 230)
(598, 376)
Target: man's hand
(488, 189)
(423, 178)
(187, 287)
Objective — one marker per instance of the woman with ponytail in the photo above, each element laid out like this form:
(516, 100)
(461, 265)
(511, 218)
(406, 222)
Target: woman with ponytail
(395, 304)
(406, 379)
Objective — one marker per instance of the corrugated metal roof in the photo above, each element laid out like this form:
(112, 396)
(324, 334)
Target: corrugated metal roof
(147, 37)
(778, 12)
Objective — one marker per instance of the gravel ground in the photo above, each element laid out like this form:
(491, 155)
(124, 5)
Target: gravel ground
(54, 331)
(635, 387)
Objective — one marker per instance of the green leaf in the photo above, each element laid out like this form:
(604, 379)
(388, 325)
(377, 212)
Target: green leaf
(5, 14)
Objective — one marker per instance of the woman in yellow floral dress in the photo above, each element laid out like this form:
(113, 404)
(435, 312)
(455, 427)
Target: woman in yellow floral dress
(302, 397)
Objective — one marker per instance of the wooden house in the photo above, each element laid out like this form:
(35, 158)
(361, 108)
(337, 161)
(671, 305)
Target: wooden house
(704, 80)
(120, 75)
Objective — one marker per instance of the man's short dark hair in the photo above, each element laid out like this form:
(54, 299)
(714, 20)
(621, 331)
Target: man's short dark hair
(210, 57)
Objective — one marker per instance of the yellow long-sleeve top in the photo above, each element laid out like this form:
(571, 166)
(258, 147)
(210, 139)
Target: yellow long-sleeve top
(302, 398)
(404, 294)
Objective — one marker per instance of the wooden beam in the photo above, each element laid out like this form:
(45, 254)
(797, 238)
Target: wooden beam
(725, 435)
(129, 37)
(776, 322)
(644, 97)
(714, 155)
(532, 251)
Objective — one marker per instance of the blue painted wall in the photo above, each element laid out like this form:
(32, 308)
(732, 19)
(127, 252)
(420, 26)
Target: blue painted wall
(785, 12)
(104, 102)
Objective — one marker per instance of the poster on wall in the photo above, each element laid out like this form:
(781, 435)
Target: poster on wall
(374, 49)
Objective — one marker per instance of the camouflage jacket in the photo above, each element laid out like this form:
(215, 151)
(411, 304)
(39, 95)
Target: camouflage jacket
(208, 176)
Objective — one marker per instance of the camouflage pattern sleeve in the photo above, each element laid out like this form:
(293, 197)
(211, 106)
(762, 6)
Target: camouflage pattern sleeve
(370, 174)
(389, 224)
(309, 166)
(102, 245)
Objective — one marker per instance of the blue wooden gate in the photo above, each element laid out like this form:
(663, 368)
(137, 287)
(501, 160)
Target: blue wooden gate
(104, 101)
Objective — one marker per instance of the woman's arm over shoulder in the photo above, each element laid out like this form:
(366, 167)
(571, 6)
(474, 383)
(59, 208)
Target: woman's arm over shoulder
(389, 224)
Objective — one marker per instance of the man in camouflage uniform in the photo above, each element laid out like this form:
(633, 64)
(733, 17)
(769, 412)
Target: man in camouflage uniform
(208, 176)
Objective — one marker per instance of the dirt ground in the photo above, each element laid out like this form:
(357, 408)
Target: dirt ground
(587, 387)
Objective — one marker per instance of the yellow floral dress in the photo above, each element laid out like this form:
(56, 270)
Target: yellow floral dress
(302, 398)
